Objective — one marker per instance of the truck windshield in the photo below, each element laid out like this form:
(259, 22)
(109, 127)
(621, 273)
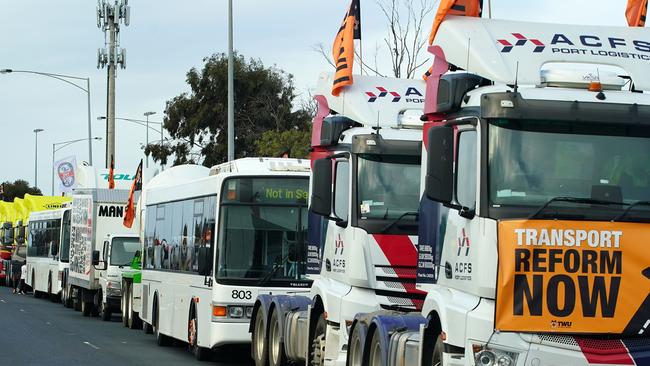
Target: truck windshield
(388, 186)
(262, 227)
(531, 162)
(123, 250)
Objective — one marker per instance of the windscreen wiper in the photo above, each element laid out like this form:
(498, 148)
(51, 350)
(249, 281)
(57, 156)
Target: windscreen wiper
(272, 273)
(627, 210)
(408, 213)
(588, 201)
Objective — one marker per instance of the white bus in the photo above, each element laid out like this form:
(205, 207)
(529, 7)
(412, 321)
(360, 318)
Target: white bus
(48, 251)
(249, 219)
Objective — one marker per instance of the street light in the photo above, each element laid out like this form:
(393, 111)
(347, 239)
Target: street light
(60, 145)
(63, 78)
(36, 131)
(147, 114)
(141, 122)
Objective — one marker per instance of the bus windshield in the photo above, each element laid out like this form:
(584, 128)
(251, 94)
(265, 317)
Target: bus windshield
(262, 228)
(532, 162)
(123, 250)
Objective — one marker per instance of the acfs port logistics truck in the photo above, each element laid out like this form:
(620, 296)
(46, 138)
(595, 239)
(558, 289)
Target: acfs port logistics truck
(534, 225)
(532, 229)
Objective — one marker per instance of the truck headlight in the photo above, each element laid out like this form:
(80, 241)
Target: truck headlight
(491, 356)
(113, 288)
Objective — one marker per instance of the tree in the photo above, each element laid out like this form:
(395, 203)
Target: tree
(293, 143)
(17, 189)
(197, 120)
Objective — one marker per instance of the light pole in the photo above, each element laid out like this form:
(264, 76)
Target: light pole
(231, 89)
(63, 78)
(36, 131)
(147, 114)
(141, 122)
(60, 145)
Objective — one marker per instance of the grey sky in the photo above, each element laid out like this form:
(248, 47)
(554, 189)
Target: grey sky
(165, 39)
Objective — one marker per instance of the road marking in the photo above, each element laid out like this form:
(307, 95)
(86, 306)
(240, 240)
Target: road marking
(48, 323)
(91, 345)
(22, 310)
(123, 342)
(3, 301)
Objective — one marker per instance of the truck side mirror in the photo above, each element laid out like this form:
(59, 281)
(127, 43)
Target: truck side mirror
(321, 193)
(439, 184)
(204, 261)
(95, 257)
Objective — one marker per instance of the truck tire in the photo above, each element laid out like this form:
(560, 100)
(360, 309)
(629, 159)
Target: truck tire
(86, 307)
(200, 353)
(104, 311)
(125, 303)
(259, 348)
(161, 339)
(317, 347)
(277, 357)
(134, 321)
(375, 353)
(76, 299)
(437, 359)
(355, 352)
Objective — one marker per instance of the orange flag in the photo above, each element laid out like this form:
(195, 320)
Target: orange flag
(129, 215)
(343, 48)
(468, 8)
(635, 12)
(111, 174)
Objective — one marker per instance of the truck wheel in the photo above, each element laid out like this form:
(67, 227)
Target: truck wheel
(259, 347)
(318, 343)
(355, 353)
(85, 308)
(200, 353)
(437, 359)
(134, 321)
(104, 311)
(374, 356)
(125, 303)
(76, 299)
(161, 339)
(277, 357)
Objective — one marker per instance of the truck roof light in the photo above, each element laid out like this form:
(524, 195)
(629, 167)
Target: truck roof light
(591, 79)
(595, 86)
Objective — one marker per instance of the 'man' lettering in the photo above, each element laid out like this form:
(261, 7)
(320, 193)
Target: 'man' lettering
(111, 211)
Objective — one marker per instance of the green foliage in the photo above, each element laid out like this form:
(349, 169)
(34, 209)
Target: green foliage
(294, 142)
(17, 189)
(197, 120)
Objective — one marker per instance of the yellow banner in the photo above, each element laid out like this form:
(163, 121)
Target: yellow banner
(573, 277)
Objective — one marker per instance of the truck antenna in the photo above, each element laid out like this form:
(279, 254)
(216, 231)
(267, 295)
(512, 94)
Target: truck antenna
(516, 78)
(377, 128)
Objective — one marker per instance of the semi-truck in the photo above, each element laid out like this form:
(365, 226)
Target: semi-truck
(536, 202)
(363, 225)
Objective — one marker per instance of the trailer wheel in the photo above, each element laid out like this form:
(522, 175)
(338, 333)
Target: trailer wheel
(277, 357)
(200, 353)
(437, 359)
(374, 356)
(355, 353)
(318, 343)
(125, 303)
(134, 320)
(260, 343)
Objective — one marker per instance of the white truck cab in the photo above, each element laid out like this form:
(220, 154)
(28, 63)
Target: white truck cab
(117, 253)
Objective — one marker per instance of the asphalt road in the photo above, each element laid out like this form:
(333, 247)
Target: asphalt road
(39, 332)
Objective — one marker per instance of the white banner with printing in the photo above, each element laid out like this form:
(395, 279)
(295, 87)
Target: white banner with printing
(65, 174)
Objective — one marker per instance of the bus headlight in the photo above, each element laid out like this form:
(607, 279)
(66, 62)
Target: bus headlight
(249, 312)
(491, 356)
(235, 311)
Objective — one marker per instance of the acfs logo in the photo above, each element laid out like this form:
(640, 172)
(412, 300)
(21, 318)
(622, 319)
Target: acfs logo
(338, 246)
(463, 244)
(412, 95)
(520, 40)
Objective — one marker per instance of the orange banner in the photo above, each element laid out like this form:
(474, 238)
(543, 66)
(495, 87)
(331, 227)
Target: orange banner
(573, 277)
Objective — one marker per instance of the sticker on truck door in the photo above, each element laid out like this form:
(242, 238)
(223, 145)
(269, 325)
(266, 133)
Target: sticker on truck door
(573, 277)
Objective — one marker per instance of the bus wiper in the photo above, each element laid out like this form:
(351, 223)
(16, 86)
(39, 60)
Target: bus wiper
(588, 201)
(408, 213)
(272, 273)
(627, 210)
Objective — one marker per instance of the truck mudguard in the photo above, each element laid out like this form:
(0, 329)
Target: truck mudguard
(387, 323)
(286, 304)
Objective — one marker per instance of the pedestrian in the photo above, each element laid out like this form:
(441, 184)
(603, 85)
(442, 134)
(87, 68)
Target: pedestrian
(23, 276)
(15, 274)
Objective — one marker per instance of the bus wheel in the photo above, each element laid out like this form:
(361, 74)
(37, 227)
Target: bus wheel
(259, 346)
(200, 353)
(318, 343)
(134, 321)
(277, 357)
(374, 356)
(161, 339)
(125, 304)
(37, 294)
(49, 288)
(437, 359)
